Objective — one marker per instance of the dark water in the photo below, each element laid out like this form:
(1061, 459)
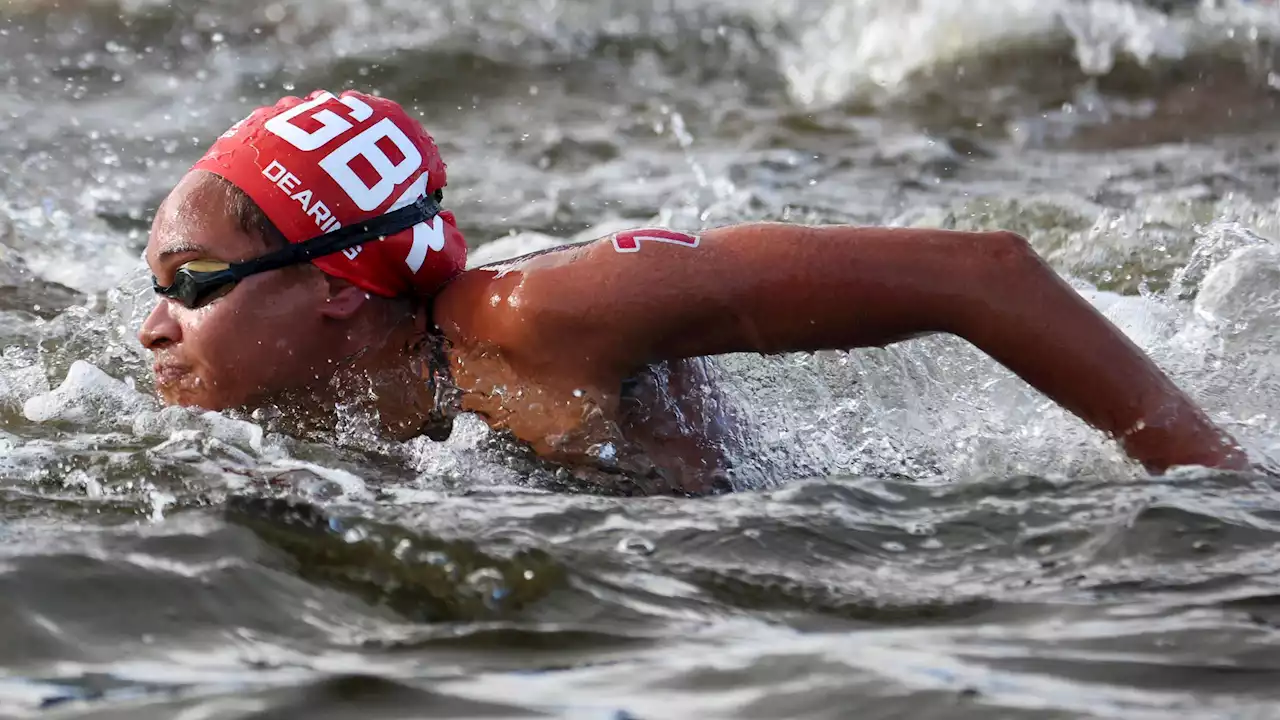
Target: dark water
(922, 536)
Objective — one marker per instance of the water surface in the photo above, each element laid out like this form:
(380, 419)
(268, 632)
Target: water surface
(921, 535)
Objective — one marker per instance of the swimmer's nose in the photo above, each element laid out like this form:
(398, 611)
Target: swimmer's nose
(160, 329)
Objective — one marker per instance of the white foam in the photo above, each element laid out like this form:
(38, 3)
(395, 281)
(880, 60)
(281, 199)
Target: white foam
(352, 487)
(21, 377)
(178, 422)
(89, 259)
(869, 51)
(88, 396)
(865, 48)
(1241, 295)
(462, 456)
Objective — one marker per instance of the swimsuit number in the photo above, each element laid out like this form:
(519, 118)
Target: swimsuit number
(338, 163)
(629, 240)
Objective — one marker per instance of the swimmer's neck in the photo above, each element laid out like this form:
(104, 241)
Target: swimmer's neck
(402, 382)
(405, 381)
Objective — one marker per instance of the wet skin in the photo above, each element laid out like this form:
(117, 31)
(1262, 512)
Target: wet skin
(576, 351)
(587, 316)
(263, 336)
(281, 336)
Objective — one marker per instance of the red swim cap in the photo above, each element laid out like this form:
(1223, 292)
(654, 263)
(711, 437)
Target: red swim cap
(317, 164)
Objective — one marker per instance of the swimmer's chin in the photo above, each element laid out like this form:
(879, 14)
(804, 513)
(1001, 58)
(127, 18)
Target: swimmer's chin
(182, 388)
(305, 411)
(174, 395)
(177, 397)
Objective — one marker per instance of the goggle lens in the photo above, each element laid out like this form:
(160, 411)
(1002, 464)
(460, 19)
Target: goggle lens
(197, 283)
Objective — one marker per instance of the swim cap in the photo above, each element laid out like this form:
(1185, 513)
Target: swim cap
(316, 164)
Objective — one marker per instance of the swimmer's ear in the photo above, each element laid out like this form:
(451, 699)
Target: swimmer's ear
(344, 300)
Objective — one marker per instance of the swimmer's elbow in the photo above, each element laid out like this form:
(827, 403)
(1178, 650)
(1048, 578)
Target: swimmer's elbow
(1013, 265)
(1007, 249)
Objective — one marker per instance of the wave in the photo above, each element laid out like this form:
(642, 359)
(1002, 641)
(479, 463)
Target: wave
(821, 53)
(873, 52)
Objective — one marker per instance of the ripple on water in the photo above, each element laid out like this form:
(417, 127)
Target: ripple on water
(928, 537)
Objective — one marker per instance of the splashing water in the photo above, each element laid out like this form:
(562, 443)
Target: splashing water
(922, 535)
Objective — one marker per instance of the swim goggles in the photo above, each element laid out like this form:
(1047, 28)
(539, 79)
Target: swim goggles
(198, 282)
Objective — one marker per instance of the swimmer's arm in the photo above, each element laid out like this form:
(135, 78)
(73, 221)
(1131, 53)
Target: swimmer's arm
(773, 288)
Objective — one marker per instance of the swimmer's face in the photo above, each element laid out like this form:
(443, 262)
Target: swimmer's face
(265, 335)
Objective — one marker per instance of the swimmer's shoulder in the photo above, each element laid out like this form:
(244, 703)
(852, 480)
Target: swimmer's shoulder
(501, 290)
(494, 305)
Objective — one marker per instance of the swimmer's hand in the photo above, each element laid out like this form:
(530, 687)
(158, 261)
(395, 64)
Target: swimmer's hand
(772, 288)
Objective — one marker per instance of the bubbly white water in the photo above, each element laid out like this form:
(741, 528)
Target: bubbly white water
(868, 50)
(563, 120)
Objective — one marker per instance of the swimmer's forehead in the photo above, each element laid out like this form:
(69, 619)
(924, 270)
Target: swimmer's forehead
(194, 221)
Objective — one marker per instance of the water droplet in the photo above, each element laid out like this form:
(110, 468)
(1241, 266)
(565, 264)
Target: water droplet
(605, 452)
(489, 584)
(402, 548)
(435, 558)
(636, 545)
(355, 535)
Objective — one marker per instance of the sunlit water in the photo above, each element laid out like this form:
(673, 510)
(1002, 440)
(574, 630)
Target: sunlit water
(921, 536)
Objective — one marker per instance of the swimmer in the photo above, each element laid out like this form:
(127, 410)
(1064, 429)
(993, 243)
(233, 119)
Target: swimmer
(307, 259)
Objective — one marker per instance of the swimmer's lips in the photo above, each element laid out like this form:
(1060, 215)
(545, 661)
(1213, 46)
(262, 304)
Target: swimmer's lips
(169, 376)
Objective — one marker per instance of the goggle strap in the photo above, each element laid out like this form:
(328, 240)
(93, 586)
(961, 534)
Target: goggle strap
(420, 211)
